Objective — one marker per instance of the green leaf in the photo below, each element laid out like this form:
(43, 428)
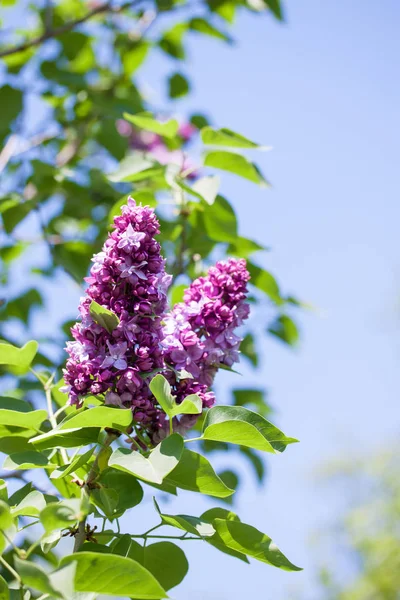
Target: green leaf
(166, 561)
(136, 167)
(99, 416)
(50, 540)
(256, 462)
(187, 523)
(25, 460)
(226, 137)
(78, 461)
(162, 460)
(216, 540)
(62, 580)
(27, 420)
(14, 210)
(4, 591)
(176, 293)
(129, 490)
(244, 247)
(161, 389)
(121, 546)
(35, 577)
(20, 494)
(248, 349)
(248, 540)
(231, 479)
(30, 506)
(146, 121)
(103, 317)
(275, 7)
(194, 473)
(107, 500)
(11, 105)
(18, 357)
(235, 163)
(67, 438)
(133, 58)
(178, 86)
(207, 187)
(6, 519)
(238, 425)
(254, 398)
(206, 28)
(113, 575)
(3, 491)
(172, 41)
(264, 281)
(59, 515)
(285, 329)
(220, 221)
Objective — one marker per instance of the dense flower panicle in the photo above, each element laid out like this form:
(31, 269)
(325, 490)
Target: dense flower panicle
(187, 344)
(199, 333)
(127, 277)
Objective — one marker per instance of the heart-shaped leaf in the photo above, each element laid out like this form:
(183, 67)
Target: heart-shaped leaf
(162, 460)
(161, 389)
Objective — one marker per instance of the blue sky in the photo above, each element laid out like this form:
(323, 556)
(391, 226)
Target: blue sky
(324, 91)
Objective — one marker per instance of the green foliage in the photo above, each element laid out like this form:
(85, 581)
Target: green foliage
(366, 532)
(64, 181)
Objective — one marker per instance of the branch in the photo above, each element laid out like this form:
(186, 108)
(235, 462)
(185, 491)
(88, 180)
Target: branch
(52, 33)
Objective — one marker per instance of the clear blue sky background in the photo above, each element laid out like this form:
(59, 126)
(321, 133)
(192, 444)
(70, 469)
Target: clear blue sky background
(324, 91)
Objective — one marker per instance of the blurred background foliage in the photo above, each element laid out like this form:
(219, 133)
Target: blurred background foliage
(80, 131)
(361, 544)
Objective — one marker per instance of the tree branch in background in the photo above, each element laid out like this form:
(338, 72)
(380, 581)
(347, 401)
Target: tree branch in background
(52, 33)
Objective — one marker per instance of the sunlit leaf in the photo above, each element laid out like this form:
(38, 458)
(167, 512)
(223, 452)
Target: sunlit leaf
(162, 460)
(113, 575)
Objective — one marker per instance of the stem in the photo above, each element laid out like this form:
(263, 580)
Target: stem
(11, 570)
(152, 529)
(86, 489)
(53, 420)
(52, 33)
(196, 439)
(171, 426)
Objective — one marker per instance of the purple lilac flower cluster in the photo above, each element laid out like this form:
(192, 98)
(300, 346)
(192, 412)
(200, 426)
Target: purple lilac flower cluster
(187, 344)
(128, 278)
(199, 333)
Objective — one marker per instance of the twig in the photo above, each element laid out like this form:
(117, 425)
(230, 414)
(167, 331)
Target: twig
(86, 490)
(11, 570)
(52, 33)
